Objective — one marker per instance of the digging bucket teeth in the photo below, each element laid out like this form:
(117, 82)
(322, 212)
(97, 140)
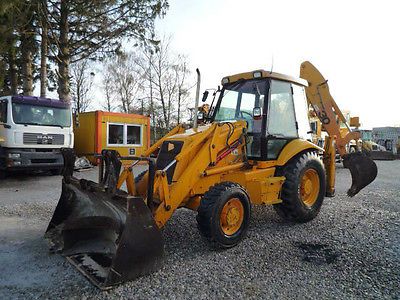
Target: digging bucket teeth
(108, 235)
(363, 171)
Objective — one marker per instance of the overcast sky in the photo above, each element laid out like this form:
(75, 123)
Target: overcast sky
(355, 45)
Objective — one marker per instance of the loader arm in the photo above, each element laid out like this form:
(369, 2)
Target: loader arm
(200, 152)
(177, 129)
(363, 170)
(126, 175)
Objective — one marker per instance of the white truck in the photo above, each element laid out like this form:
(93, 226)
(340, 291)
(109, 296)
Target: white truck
(32, 131)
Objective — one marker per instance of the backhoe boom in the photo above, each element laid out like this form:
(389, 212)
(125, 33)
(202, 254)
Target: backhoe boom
(363, 170)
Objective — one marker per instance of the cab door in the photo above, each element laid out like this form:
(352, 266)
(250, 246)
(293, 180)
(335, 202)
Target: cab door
(281, 119)
(301, 112)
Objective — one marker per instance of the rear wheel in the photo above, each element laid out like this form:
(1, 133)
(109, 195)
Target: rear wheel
(304, 188)
(224, 214)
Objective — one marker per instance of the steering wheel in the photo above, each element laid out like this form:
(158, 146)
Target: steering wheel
(248, 120)
(247, 113)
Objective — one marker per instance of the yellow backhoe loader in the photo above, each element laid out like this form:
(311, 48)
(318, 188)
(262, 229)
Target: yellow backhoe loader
(252, 149)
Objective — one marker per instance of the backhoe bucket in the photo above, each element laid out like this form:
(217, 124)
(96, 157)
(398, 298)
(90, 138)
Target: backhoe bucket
(363, 171)
(109, 237)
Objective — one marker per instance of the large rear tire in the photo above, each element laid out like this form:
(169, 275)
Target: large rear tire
(224, 215)
(304, 188)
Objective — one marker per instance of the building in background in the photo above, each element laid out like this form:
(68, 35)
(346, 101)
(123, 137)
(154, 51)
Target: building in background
(366, 134)
(389, 137)
(129, 134)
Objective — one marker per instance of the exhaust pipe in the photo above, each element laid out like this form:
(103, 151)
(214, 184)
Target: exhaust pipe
(196, 105)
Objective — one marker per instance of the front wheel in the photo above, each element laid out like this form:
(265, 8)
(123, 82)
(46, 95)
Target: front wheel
(304, 188)
(224, 215)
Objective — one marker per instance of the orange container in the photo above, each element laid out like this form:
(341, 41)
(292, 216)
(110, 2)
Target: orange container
(129, 134)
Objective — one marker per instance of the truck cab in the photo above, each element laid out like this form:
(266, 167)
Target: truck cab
(32, 131)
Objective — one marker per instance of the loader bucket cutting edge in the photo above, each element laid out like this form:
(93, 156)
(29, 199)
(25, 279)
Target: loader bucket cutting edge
(109, 238)
(363, 171)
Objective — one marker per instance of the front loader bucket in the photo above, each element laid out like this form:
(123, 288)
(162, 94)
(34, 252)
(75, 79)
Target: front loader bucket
(363, 171)
(109, 237)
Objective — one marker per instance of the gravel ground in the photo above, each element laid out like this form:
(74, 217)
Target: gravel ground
(351, 250)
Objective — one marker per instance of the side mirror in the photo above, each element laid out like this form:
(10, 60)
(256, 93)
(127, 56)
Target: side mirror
(200, 116)
(256, 112)
(205, 96)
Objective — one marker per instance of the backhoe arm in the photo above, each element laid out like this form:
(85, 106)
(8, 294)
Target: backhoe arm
(325, 106)
(363, 170)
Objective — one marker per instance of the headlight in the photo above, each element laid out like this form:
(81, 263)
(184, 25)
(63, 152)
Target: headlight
(225, 80)
(14, 155)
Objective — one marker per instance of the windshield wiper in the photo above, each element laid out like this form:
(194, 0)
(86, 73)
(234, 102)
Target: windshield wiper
(57, 125)
(39, 124)
(31, 123)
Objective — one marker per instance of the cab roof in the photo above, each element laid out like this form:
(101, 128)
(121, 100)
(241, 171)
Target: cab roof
(263, 74)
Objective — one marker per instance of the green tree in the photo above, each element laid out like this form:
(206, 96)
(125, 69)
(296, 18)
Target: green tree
(81, 29)
(18, 45)
(8, 49)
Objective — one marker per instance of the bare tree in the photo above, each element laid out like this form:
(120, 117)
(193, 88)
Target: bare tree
(127, 81)
(81, 84)
(183, 89)
(150, 82)
(166, 78)
(108, 88)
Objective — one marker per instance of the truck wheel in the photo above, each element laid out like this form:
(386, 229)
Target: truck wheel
(223, 215)
(304, 188)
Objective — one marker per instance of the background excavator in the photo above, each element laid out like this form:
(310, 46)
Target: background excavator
(252, 148)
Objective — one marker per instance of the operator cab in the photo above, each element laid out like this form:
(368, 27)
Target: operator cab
(274, 106)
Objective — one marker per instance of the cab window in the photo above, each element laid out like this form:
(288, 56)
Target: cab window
(281, 118)
(301, 107)
(238, 101)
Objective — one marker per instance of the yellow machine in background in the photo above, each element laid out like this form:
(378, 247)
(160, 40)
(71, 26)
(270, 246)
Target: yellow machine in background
(253, 149)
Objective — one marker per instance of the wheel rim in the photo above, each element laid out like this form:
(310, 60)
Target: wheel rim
(309, 187)
(232, 216)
